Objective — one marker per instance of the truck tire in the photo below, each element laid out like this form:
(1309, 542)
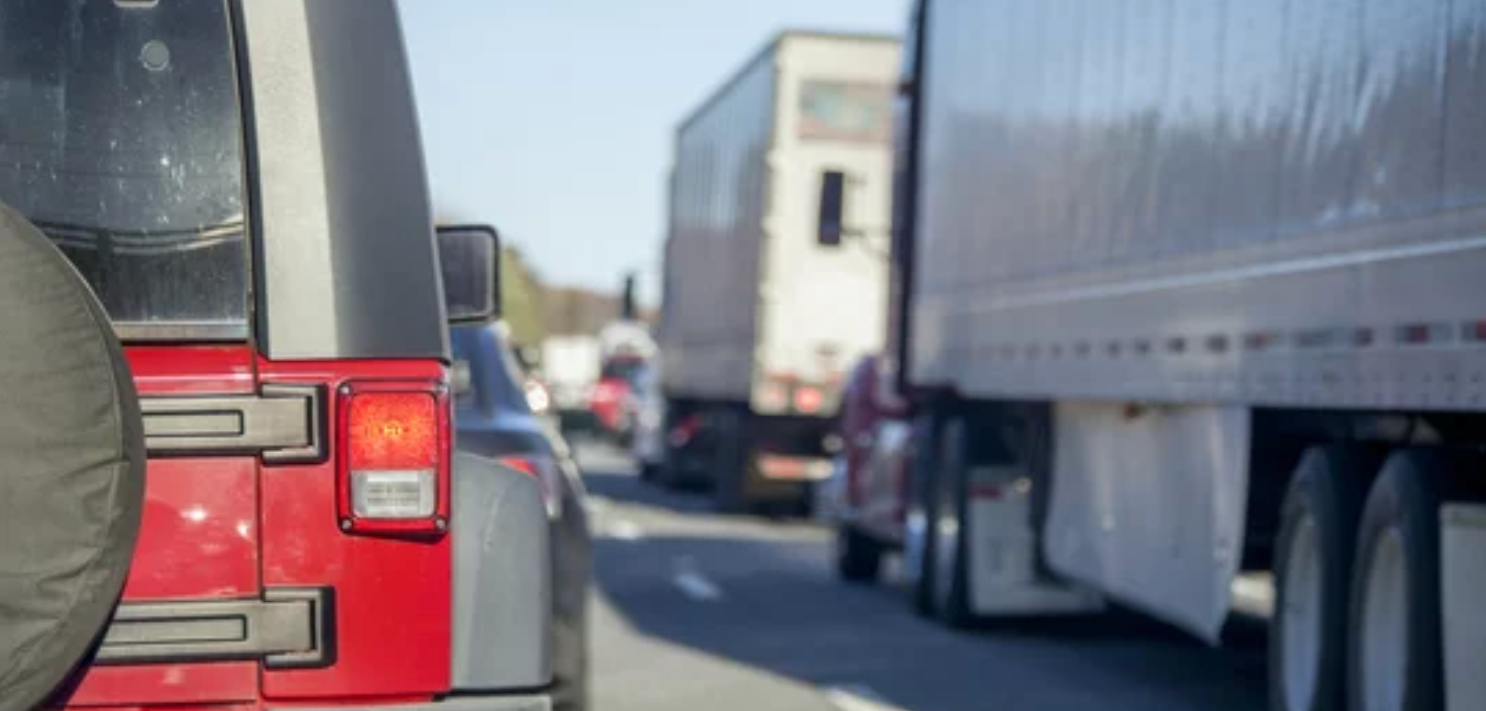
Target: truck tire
(1394, 659)
(1313, 578)
(858, 556)
(72, 439)
(730, 464)
(920, 543)
(950, 579)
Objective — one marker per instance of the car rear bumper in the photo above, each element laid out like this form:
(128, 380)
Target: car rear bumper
(504, 702)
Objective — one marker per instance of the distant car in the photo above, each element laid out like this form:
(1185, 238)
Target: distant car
(612, 400)
(649, 438)
(493, 418)
(538, 397)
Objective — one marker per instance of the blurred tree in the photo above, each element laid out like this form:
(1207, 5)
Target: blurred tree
(523, 300)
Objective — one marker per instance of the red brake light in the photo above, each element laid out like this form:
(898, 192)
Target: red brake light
(807, 399)
(394, 464)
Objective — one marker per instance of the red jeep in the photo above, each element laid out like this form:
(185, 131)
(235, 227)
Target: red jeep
(241, 183)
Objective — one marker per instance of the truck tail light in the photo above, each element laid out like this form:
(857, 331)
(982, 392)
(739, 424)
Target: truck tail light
(393, 444)
(545, 471)
(808, 399)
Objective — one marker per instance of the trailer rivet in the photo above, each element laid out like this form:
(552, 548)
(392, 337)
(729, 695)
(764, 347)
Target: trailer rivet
(441, 523)
(346, 524)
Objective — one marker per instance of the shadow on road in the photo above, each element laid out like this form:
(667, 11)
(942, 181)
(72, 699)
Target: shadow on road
(617, 482)
(781, 610)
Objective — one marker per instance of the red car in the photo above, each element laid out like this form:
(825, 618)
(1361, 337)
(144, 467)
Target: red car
(614, 402)
(241, 184)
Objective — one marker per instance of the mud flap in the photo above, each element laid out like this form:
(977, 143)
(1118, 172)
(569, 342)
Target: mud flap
(1147, 506)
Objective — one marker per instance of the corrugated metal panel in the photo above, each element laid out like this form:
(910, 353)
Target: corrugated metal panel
(1264, 171)
(712, 260)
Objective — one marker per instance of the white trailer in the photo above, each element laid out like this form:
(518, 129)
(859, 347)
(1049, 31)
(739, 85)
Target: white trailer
(1189, 289)
(761, 319)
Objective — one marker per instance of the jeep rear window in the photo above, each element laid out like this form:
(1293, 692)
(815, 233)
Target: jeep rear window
(121, 137)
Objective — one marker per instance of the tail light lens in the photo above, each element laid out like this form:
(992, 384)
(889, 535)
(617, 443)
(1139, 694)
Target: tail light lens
(394, 465)
(808, 399)
(545, 471)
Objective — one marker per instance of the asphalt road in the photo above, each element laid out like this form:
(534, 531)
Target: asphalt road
(695, 611)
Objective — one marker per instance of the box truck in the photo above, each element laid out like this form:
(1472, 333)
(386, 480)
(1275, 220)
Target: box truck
(761, 317)
(1189, 289)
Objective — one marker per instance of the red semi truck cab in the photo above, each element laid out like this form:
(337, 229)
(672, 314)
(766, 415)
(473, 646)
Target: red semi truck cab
(242, 185)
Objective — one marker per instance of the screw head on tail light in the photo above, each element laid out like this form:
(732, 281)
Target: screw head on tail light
(392, 443)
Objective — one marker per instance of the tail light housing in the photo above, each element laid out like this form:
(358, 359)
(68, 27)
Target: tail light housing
(393, 440)
(546, 472)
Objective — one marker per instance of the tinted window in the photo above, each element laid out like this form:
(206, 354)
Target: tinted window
(623, 369)
(120, 135)
(844, 111)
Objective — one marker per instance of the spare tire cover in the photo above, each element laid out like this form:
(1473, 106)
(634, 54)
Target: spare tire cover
(72, 463)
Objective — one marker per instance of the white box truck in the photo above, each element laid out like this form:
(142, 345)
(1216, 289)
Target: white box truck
(1189, 289)
(761, 319)
(570, 367)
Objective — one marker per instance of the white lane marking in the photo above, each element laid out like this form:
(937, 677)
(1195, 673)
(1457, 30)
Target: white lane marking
(857, 697)
(696, 586)
(597, 505)
(624, 530)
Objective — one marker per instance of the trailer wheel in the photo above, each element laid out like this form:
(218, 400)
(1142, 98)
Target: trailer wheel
(730, 464)
(1313, 575)
(950, 570)
(1394, 653)
(858, 556)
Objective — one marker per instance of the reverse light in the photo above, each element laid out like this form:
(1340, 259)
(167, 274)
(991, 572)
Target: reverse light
(393, 439)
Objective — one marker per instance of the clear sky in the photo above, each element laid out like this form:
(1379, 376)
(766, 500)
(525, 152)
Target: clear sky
(552, 119)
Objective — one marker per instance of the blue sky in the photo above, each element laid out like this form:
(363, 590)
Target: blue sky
(552, 119)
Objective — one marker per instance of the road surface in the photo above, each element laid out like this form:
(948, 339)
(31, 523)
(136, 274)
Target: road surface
(699, 612)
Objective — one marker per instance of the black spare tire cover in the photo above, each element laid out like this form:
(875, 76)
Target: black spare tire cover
(72, 463)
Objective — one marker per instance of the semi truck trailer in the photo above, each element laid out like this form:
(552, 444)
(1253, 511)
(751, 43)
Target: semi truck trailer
(1181, 290)
(761, 317)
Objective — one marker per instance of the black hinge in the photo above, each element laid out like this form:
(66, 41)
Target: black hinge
(285, 424)
(288, 628)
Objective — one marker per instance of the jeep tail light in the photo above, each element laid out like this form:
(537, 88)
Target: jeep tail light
(393, 440)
